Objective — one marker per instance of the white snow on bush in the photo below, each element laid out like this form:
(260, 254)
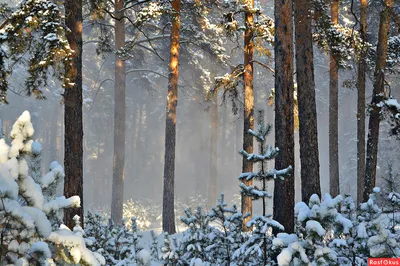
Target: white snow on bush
(316, 227)
(26, 212)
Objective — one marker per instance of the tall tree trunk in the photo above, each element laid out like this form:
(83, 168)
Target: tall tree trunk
(310, 182)
(377, 97)
(361, 105)
(334, 184)
(117, 198)
(284, 115)
(247, 203)
(73, 140)
(170, 126)
(212, 185)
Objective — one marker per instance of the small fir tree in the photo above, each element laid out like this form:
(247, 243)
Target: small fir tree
(257, 244)
(195, 239)
(226, 234)
(169, 256)
(25, 213)
(320, 228)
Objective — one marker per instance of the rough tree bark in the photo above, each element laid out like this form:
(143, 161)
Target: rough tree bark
(334, 184)
(73, 142)
(284, 115)
(377, 97)
(117, 197)
(361, 105)
(212, 187)
(247, 204)
(310, 182)
(170, 126)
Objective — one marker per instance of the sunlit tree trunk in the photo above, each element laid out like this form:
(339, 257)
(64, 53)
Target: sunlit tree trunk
(247, 166)
(170, 126)
(310, 181)
(377, 97)
(361, 105)
(73, 140)
(117, 197)
(212, 187)
(284, 115)
(334, 184)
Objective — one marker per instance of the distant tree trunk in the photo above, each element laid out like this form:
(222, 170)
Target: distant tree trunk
(377, 97)
(247, 203)
(361, 105)
(138, 133)
(310, 182)
(46, 139)
(212, 187)
(73, 140)
(284, 115)
(170, 126)
(117, 198)
(334, 184)
(54, 130)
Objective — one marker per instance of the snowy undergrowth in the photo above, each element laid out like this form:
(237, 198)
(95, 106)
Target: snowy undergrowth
(29, 209)
(147, 213)
(329, 231)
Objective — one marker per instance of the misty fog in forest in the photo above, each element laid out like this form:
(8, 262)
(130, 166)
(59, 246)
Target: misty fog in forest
(146, 93)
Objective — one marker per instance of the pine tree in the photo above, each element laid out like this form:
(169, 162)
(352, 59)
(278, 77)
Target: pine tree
(29, 207)
(257, 243)
(36, 29)
(316, 223)
(362, 67)
(154, 246)
(248, 97)
(284, 112)
(195, 239)
(169, 256)
(119, 116)
(377, 97)
(73, 116)
(227, 235)
(170, 126)
(334, 184)
(309, 157)
(118, 244)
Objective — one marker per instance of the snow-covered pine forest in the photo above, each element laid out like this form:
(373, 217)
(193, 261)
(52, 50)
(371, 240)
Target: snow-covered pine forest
(188, 132)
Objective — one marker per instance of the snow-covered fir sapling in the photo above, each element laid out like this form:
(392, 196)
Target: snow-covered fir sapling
(226, 233)
(49, 182)
(258, 241)
(378, 240)
(195, 239)
(27, 235)
(117, 243)
(154, 246)
(393, 197)
(259, 161)
(169, 255)
(320, 229)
